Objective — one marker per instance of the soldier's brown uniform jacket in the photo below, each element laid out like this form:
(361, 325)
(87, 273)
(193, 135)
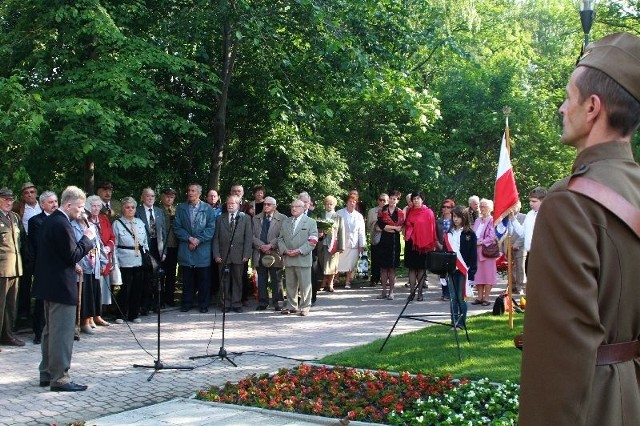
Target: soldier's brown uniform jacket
(10, 244)
(583, 291)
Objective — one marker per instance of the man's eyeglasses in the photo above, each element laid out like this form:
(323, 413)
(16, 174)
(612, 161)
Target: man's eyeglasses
(447, 207)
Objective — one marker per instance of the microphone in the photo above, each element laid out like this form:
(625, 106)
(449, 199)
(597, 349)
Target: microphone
(85, 219)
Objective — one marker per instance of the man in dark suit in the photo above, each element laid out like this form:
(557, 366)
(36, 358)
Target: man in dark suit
(49, 204)
(153, 219)
(56, 284)
(232, 247)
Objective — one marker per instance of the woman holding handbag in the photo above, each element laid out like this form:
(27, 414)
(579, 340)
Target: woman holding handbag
(487, 275)
(462, 241)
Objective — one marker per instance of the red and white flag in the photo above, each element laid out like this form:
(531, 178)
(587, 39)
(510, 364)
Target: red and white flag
(505, 196)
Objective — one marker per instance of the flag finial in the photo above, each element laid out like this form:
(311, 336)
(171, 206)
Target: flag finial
(506, 111)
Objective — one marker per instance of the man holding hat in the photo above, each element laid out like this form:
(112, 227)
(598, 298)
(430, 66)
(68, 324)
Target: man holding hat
(266, 261)
(580, 363)
(11, 232)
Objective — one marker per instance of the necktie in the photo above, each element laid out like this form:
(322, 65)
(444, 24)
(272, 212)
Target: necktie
(265, 228)
(152, 223)
(108, 207)
(136, 247)
(232, 221)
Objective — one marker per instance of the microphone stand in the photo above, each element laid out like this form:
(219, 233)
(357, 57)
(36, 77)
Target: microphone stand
(222, 353)
(157, 363)
(418, 317)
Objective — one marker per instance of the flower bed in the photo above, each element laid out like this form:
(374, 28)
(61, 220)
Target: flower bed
(379, 397)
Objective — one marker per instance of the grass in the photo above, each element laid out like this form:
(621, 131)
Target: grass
(490, 353)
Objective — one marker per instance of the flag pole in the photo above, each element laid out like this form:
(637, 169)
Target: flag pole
(507, 111)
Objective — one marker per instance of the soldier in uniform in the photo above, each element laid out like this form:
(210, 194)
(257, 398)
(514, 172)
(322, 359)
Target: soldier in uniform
(111, 208)
(11, 232)
(170, 262)
(580, 362)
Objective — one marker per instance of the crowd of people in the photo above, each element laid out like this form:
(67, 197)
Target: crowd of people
(139, 248)
(583, 266)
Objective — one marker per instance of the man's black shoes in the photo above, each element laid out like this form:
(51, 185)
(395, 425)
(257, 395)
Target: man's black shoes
(69, 387)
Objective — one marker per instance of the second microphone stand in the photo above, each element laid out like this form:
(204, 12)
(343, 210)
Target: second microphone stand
(222, 353)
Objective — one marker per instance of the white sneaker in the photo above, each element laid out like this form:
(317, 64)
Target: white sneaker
(347, 286)
(390, 297)
(119, 321)
(137, 321)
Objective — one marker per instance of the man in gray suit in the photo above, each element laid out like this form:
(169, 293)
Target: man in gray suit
(232, 247)
(298, 237)
(266, 229)
(153, 219)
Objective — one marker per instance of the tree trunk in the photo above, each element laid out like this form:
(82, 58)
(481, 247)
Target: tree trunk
(89, 176)
(230, 44)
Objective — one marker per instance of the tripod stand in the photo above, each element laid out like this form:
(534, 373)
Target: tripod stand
(222, 352)
(158, 364)
(447, 267)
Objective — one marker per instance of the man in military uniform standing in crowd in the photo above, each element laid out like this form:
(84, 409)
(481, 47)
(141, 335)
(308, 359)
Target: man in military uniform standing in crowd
(11, 232)
(580, 363)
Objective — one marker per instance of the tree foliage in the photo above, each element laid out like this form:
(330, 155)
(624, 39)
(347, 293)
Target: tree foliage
(296, 95)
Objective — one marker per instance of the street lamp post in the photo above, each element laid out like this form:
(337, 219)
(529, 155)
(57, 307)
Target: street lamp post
(586, 17)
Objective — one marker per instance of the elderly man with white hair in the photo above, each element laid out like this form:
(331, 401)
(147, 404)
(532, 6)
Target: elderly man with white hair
(266, 260)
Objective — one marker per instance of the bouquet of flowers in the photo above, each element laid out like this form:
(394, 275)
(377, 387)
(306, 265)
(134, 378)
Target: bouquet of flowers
(325, 225)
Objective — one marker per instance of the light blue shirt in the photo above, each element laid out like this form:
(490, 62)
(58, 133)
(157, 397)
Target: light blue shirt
(128, 257)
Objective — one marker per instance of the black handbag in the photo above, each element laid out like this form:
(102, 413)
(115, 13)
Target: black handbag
(148, 261)
(441, 262)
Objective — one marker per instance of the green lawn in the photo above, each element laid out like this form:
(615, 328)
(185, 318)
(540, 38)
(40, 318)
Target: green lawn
(490, 353)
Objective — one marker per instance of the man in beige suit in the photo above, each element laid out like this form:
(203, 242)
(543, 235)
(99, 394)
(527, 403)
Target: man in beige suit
(266, 229)
(298, 237)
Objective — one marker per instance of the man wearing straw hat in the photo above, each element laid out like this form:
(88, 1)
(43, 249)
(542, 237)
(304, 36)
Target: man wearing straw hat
(266, 260)
(580, 362)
